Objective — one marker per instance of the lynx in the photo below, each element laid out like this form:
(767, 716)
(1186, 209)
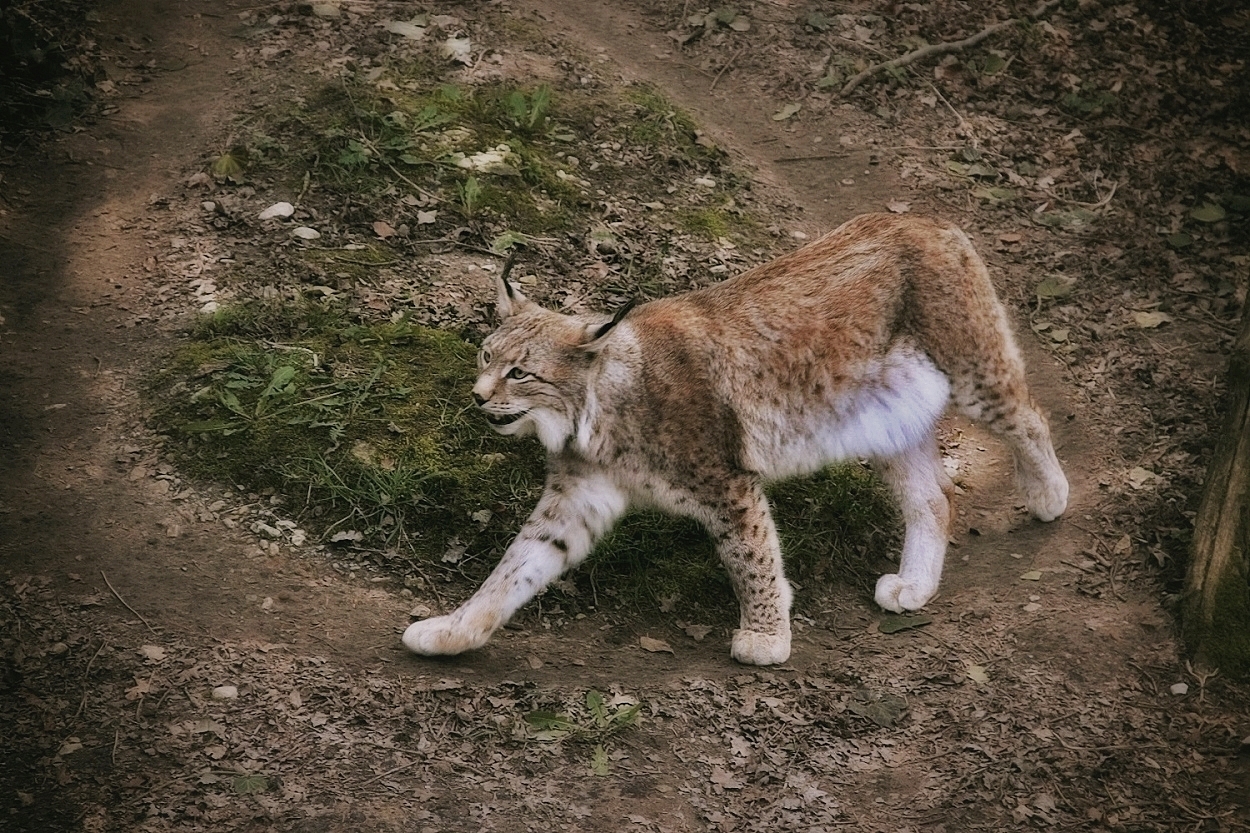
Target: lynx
(849, 348)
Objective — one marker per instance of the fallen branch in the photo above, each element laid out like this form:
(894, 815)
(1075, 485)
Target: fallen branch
(945, 47)
(86, 686)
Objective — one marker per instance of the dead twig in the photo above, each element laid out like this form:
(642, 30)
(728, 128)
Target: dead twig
(86, 687)
(944, 47)
(727, 65)
(124, 604)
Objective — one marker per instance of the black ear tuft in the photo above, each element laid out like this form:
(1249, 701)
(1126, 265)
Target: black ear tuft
(507, 270)
(616, 319)
(509, 299)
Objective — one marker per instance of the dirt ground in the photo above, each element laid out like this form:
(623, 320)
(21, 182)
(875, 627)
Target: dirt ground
(1046, 693)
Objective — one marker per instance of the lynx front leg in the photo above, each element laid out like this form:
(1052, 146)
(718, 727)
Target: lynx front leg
(924, 490)
(571, 515)
(748, 547)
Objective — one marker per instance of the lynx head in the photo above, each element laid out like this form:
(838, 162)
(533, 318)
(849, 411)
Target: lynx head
(533, 368)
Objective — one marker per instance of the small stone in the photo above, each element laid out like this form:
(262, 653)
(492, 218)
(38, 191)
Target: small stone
(306, 233)
(225, 692)
(209, 206)
(1179, 689)
(278, 209)
(421, 611)
(57, 648)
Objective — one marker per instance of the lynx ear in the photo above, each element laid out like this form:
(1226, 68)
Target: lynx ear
(593, 343)
(510, 300)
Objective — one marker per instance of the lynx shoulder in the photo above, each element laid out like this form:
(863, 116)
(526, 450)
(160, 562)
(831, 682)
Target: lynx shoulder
(849, 348)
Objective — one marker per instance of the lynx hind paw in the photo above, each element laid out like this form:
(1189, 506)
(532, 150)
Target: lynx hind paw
(1048, 499)
(896, 595)
(755, 648)
(439, 636)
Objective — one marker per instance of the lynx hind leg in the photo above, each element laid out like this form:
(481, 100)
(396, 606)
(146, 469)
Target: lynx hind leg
(748, 546)
(924, 492)
(1000, 401)
(1040, 480)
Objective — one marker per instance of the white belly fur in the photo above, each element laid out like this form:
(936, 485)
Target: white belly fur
(893, 407)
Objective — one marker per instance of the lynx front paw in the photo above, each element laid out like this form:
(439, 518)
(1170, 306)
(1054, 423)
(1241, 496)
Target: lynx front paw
(755, 648)
(896, 595)
(439, 636)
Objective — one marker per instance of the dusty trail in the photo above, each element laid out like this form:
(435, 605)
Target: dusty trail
(79, 493)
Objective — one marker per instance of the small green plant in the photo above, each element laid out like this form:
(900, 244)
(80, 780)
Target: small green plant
(601, 722)
(470, 193)
(1090, 101)
(529, 112)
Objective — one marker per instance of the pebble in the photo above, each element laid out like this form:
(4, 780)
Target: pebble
(225, 692)
(306, 233)
(1179, 689)
(278, 209)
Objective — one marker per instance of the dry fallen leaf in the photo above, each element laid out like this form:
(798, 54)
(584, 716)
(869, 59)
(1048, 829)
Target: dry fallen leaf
(152, 652)
(383, 229)
(1140, 478)
(786, 112)
(697, 632)
(1150, 320)
(458, 49)
(655, 646)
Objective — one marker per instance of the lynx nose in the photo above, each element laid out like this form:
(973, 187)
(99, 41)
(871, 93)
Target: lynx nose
(479, 399)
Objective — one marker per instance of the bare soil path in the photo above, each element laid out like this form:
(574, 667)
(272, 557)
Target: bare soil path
(129, 598)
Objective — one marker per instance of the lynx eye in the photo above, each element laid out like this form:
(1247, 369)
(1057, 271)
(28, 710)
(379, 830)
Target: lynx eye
(518, 373)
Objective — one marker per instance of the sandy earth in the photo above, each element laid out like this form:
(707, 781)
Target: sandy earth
(91, 516)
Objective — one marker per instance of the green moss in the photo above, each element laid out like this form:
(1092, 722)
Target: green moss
(366, 426)
(709, 222)
(828, 524)
(658, 123)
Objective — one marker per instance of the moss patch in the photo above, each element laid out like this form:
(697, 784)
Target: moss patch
(364, 427)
